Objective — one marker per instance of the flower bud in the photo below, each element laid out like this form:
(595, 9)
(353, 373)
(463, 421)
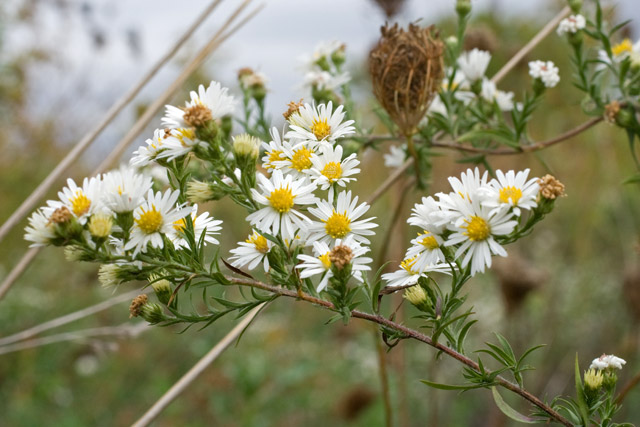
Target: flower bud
(152, 313)
(625, 118)
(338, 56)
(418, 297)
(452, 43)
(246, 146)
(575, 5)
(201, 192)
(463, 7)
(100, 225)
(163, 291)
(593, 379)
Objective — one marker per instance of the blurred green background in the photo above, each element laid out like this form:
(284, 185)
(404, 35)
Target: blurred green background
(574, 284)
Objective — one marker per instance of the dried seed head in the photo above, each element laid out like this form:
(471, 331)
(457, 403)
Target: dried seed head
(406, 71)
(197, 115)
(611, 111)
(481, 38)
(550, 188)
(390, 7)
(340, 256)
(136, 305)
(60, 215)
(293, 108)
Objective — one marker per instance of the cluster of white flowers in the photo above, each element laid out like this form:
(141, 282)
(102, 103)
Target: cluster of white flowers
(302, 164)
(607, 361)
(99, 206)
(467, 219)
(547, 72)
(322, 68)
(571, 25)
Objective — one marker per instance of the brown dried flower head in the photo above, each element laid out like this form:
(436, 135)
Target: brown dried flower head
(611, 111)
(293, 108)
(406, 71)
(60, 215)
(550, 187)
(136, 305)
(340, 256)
(197, 115)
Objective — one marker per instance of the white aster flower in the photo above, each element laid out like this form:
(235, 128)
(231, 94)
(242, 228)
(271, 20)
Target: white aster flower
(475, 229)
(320, 59)
(321, 262)
(469, 184)
(408, 274)
(547, 72)
(474, 64)
(340, 221)
(123, 190)
(490, 93)
(328, 167)
(319, 123)
(513, 190)
(607, 362)
(279, 195)
(40, 230)
(81, 201)
(178, 142)
(252, 251)
(429, 215)
(145, 155)
(202, 223)
(571, 25)
(396, 156)
(296, 159)
(273, 151)
(214, 103)
(155, 217)
(426, 250)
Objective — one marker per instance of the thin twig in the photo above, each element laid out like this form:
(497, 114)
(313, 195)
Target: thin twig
(389, 181)
(627, 388)
(71, 317)
(17, 270)
(408, 333)
(125, 330)
(544, 32)
(62, 167)
(196, 370)
(214, 42)
(524, 148)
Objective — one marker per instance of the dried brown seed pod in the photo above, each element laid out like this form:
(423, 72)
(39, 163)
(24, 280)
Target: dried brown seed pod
(406, 70)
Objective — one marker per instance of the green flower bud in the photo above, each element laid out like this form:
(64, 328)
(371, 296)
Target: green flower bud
(152, 313)
(418, 297)
(463, 7)
(246, 146)
(163, 291)
(575, 5)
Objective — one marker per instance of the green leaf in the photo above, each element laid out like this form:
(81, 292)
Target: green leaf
(508, 410)
(633, 179)
(491, 134)
(582, 405)
(452, 387)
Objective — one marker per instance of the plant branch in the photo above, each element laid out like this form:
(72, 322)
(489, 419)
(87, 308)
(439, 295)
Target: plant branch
(409, 333)
(196, 370)
(627, 388)
(389, 182)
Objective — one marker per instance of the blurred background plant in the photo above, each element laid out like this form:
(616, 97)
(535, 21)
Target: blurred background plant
(579, 290)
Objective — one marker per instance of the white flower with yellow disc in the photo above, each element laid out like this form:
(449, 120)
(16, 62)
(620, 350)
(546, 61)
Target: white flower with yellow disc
(149, 153)
(512, 190)
(280, 194)
(328, 167)
(252, 252)
(202, 224)
(123, 189)
(178, 142)
(341, 220)
(408, 274)
(81, 201)
(273, 151)
(296, 159)
(155, 217)
(319, 124)
(211, 103)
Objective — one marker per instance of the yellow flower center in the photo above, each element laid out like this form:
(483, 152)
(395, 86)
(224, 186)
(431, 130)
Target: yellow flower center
(301, 159)
(281, 199)
(326, 262)
(274, 156)
(625, 46)
(80, 203)
(512, 194)
(407, 265)
(180, 225)
(320, 128)
(150, 221)
(477, 229)
(332, 170)
(260, 243)
(428, 241)
(337, 225)
(183, 133)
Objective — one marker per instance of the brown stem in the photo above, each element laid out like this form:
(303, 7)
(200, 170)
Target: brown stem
(409, 333)
(389, 181)
(627, 388)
